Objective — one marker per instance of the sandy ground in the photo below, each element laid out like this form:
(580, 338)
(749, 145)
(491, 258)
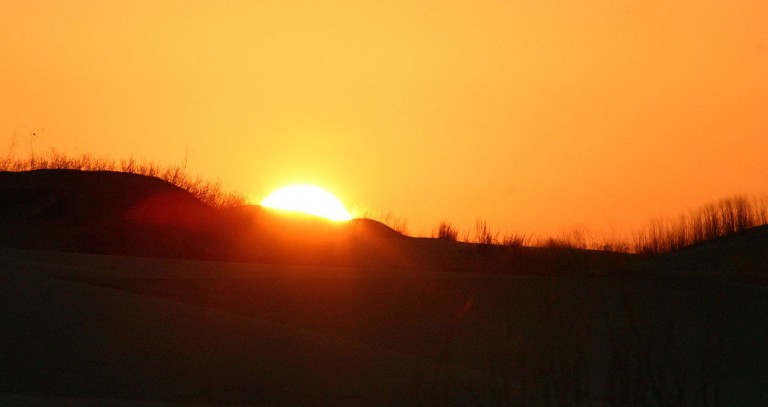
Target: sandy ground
(108, 330)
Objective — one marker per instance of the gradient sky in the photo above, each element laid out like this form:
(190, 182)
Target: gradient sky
(534, 115)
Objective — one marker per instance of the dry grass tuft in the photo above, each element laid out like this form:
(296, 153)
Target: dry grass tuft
(484, 234)
(516, 239)
(446, 231)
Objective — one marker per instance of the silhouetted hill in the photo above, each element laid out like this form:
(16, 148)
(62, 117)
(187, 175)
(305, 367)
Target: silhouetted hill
(88, 195)
(127, 214)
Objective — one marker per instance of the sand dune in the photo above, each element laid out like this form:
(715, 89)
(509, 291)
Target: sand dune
(119, 300)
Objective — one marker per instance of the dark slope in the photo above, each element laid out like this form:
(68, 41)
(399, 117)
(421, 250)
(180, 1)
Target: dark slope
(741, 256)
(99, 212)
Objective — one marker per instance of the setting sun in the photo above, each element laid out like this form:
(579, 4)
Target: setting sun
(307, 199)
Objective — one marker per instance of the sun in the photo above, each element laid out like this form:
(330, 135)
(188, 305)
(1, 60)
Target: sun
(307, 199)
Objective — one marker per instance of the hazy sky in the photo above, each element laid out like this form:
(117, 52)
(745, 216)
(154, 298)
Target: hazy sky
(535, 115)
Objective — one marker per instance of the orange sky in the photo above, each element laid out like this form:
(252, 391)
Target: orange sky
(535, 115)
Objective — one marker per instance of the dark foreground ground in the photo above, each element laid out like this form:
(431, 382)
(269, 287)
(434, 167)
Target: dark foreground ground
(82, 329)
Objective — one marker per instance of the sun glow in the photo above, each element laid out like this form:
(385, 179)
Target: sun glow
(307, 199)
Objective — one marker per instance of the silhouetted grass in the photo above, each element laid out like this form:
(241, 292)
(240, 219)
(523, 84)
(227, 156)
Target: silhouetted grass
(389, 218)
(516, 239)
(446, 231)
(483, 233)
(713, 220)
(577, 237)
(210, 193)
(710, 221)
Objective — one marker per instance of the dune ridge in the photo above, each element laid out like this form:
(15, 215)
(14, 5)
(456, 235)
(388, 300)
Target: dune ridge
(118, 213)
